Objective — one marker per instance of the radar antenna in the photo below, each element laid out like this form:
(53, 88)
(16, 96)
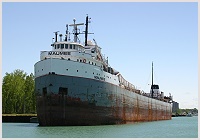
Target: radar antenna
(76, 33)
(66, 32)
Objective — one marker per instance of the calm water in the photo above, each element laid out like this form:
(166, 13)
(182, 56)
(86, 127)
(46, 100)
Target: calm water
(178, 127)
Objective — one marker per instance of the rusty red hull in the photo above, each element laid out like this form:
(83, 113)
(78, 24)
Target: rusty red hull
(81, 102)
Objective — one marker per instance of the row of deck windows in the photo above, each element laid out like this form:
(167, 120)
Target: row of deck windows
(86, 72)
(67, 46)
(85, 61)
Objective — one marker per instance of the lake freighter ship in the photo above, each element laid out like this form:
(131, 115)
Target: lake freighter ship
(75, 85)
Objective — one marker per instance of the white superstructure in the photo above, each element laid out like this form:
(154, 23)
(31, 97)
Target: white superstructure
(71, 58)
(74, 59)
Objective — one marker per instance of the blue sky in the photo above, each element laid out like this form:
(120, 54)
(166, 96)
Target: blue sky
(132, 35)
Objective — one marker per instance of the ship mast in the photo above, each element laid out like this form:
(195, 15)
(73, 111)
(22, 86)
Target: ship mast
(86, 30)
(152, 82)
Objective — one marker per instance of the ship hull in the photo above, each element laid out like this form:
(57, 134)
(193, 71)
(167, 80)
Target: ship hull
(68, 100)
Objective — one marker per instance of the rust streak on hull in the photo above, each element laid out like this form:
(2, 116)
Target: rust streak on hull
(61, 111)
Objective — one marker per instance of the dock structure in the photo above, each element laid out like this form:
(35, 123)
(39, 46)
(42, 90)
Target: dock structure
(21, 118)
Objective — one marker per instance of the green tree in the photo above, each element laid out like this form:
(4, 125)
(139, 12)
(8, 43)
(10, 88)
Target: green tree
(179, 111)
(29, 97)
(18, 92)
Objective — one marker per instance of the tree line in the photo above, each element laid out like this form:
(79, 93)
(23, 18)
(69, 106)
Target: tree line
(18, 93)
(182, 111)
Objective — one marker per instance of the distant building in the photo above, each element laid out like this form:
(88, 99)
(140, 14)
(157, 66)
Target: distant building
(175, 106)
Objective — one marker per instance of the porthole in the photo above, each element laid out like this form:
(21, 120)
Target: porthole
(68, 58)
(77, 70)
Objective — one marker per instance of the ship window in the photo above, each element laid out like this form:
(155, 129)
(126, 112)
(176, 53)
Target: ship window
(44, 91)
(73, 46)
(76, 47)
(92, 63)
(77, 70)
(63, 91)
(58, 46)
(69, 53)
(80, 60)
(66, 46)
(68, 58)
(62, 46)
(55, 46)
(77, 60)
(70, 46)
(155, 87)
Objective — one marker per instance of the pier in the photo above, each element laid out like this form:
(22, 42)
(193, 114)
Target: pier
(21, 118)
